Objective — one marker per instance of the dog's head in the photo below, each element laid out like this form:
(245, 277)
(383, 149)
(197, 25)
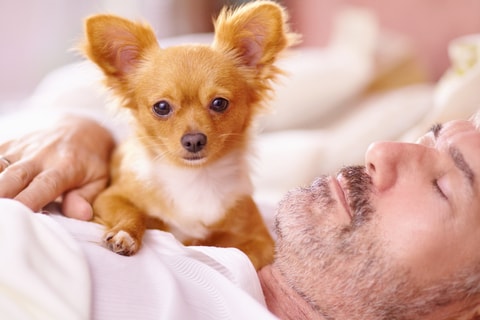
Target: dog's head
(192, 103)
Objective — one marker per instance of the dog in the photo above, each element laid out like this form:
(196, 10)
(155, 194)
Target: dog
(185, 169)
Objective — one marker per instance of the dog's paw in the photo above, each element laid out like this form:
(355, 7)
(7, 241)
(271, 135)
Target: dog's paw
(121, 242)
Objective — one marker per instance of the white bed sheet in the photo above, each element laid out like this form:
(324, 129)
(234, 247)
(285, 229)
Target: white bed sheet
(58, 269)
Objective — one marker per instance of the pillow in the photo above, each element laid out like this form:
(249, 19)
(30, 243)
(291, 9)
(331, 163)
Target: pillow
(457, 94)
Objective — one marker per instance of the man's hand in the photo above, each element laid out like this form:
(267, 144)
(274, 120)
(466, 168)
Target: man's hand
(69, 160)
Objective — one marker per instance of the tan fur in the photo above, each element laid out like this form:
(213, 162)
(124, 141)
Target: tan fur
(156, 181)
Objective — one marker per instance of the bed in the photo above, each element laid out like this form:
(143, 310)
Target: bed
(332, 104)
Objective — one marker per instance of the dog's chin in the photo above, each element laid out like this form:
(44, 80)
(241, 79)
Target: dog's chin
(194, 161)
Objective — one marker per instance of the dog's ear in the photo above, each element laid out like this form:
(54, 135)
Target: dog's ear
(256, 33)
(117, 45)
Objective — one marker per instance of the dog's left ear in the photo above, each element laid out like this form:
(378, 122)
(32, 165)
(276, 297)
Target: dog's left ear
(117, 45)
(255, 33)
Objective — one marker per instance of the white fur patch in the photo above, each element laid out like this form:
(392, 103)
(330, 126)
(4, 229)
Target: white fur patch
(198, 196)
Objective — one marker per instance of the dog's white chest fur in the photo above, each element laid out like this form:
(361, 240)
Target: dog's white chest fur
(196, 197)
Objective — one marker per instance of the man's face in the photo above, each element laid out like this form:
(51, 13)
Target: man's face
(396, 239)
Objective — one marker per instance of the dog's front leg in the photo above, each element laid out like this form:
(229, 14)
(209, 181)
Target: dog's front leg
(243, 228)
(125, 222)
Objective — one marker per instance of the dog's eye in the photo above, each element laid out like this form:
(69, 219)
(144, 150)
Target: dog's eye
(162, 108)
(219, 104)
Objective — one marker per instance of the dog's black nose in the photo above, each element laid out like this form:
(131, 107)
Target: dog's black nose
(194, 142)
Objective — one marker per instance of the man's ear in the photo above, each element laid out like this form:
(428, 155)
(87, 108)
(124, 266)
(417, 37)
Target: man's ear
(255, 32)
(117, 45)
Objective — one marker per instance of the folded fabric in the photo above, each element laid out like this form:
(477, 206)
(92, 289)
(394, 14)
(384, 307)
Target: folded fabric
(167, 280)
(54, 267)
(43, 273)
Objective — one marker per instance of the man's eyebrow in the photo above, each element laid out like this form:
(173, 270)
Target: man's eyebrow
(461, 164)
(435, 129)
(456, 156)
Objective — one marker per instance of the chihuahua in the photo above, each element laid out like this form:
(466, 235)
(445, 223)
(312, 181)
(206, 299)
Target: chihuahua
(184, 169)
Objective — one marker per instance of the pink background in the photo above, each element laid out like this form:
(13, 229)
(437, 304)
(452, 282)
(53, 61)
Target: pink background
(430, 24)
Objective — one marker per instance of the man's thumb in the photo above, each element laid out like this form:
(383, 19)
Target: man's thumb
(77, 203)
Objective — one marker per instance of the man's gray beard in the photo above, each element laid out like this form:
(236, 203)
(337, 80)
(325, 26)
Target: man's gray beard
(344, 272)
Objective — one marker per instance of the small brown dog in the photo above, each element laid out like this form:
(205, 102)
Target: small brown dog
(185, 170)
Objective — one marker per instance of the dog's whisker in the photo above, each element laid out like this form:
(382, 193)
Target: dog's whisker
(230, 136)
(161, 156)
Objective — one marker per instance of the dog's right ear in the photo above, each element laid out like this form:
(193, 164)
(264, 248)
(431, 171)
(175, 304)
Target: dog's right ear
(255, 34)
(117, 45)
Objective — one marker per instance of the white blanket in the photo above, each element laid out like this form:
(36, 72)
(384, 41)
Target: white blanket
(43, 273)
(55, 268)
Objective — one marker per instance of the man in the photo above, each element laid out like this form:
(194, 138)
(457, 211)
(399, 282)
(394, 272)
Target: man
(396, 239)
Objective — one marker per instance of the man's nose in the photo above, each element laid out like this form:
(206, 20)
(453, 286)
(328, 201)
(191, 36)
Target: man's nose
(385, 161)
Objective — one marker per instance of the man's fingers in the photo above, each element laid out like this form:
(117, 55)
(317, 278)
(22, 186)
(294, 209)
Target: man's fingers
(44, 188)
(16, 177)
(77, 202)
(77, 207)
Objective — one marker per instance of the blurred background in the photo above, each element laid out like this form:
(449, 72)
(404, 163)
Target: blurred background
(36, 35)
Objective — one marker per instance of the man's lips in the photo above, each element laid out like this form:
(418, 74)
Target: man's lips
(339, 184)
